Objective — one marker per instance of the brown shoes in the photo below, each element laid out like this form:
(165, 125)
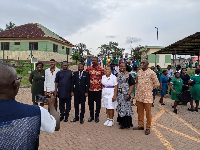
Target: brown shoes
(138, 128)
(147, 132)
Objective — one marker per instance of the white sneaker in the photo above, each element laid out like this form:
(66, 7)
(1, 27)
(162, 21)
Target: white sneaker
(106, 123)
(110, 123)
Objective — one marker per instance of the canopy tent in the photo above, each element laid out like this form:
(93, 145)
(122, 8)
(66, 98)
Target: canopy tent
(195, 59)
(187, 46)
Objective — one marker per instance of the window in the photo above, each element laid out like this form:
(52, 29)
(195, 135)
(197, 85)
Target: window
(67, 51)
(63, 47)
(17, 43)
(6, 45)
(34, 45)
(55, 48)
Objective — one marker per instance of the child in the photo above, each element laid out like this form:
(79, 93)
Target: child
(177, 83)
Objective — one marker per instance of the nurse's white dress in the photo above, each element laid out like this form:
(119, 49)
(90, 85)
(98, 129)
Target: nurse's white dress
(107, 93)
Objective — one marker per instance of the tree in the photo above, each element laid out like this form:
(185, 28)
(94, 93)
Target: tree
(111, 48)
(135, 53)
(76, 56)
(80, 48)
(10, 25)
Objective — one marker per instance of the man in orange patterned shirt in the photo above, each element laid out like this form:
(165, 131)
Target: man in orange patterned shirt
(96, 72)
(146, 81)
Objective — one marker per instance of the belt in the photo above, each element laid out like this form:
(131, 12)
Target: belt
(108, 86)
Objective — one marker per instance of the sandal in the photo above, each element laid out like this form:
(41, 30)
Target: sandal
(190, 109)
(147, 132)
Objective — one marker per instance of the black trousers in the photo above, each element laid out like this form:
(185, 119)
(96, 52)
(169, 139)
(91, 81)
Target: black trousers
(79, 98)
(94, 96)
(63, 111)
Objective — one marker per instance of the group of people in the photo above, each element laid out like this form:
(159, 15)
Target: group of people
(116, 90)
(181, 86)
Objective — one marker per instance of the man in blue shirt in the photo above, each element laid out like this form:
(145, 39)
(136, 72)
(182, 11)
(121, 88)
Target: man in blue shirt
(89, 61)
(63, 83)
(20, 124)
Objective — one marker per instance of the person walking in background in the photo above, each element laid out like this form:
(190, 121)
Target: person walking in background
(138, 62)
(83, 60)
(187, 64)
(96, 72)
(89, 60)
(158, 72)
(146, 81)
(126, 82)
(178, 69)
(108, 60)
(37, 78)
(190, 63)
(170, 75)
(109, 92)
(163, 85)
(177, 83)
(195, 90)
(49, 83)
(99, 60)
(104, 61)
(196, 64)
(186, 78)
(63, 84)
(81, 81)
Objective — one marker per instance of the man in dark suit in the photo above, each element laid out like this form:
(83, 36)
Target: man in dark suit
(81, 81)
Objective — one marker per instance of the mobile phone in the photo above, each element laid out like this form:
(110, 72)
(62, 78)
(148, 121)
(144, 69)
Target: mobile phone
(41, 98)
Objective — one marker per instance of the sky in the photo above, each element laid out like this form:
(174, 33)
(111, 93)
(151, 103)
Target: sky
(96, 22)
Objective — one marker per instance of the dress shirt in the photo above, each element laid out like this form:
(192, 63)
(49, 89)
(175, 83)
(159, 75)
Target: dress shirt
(49, 83)
(146, 81)
(170, 73)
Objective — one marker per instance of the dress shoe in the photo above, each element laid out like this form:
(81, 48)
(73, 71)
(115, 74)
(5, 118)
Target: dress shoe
(66, 119)
(147, 132)
(81, 121)
(175, 111)
(138, 128)
(75, 119)
(90, 119)
(97, 119)
(61, 118)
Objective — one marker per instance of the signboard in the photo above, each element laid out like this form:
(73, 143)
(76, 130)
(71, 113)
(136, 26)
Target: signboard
(34, 60)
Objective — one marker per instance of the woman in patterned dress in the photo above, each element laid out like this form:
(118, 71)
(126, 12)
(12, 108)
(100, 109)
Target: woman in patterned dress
(125, 94)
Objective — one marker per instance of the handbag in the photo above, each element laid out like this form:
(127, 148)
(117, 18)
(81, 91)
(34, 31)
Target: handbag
(184, 96)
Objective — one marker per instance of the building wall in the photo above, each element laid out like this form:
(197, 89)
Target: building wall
(44, 52)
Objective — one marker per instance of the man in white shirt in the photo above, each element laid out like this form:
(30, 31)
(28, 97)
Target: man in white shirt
(49, 83)
(21, 129)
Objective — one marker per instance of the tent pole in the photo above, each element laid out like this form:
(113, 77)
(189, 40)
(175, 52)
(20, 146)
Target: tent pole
(175, 58)
(198, 58)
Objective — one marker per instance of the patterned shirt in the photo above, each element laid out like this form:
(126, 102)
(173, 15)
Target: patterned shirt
(95, 77)
(146, 81)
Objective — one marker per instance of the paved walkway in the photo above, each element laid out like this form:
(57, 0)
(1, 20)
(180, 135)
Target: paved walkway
(169, 131)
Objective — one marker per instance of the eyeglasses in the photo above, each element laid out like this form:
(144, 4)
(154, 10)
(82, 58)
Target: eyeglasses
(17, 79)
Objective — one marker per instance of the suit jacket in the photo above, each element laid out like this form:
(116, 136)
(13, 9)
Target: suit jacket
(84, 83)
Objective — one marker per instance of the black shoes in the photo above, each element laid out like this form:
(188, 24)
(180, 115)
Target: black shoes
(97, 119)
(81, 121)
(90, 119)
(66, 119)
(75, 119)
(61, 118)
(175, 111)
(138, 128)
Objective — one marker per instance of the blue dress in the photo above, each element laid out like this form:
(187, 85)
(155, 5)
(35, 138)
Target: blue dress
(164, 81)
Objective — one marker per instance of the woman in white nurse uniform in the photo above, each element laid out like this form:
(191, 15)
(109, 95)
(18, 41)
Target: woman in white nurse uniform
(109, 93)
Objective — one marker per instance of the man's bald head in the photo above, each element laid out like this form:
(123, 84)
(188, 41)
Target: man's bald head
(144, 64)
(8, 73)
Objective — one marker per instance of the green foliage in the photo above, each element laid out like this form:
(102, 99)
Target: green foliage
(10, 25)
(80, 48)
(135, 54)
(76, 56)
(111, 48)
